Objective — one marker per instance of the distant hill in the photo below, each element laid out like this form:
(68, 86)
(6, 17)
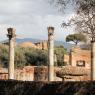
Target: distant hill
(57, 43)
(27, 39)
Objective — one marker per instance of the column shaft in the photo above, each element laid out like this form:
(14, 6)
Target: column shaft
(50, 54)
(92, 61)
(11, 35)
(11, 59)
(51, 61)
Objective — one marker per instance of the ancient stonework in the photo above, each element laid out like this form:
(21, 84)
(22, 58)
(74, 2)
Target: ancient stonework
(50, 53)
(11, 35)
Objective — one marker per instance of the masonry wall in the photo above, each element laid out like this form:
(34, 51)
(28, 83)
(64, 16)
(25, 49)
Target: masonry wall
(42, 45)
(66, 58)
(34, 73)
(81, 55)
(78, 55)
(29, 73)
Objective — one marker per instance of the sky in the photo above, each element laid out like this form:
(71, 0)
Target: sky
(31, 18)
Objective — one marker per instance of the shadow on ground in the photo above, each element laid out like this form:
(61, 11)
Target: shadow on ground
(10, 87)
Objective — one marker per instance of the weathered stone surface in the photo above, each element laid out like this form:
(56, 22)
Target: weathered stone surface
(93, 60)
(11, 35)
(77, 54)
(40, 73)
(50, 53)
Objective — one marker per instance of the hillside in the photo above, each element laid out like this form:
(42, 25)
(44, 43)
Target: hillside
(57, 43)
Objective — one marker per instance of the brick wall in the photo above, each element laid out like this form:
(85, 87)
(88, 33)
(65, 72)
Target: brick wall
(77, 55)
(42, 45)
(29, 73)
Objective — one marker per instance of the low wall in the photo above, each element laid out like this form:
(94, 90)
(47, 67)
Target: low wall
(29, 73)
(10, 87)
(40, 73)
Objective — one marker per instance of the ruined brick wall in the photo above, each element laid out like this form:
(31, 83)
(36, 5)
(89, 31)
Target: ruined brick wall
(3, 73)
(42, 45)
(39, 45)
(78, 55)
(84, 55)
(27, 44)
(25, 74)
(66, 58)
(38, 73)
(29, 73)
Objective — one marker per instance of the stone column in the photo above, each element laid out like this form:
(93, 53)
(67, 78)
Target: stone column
(93, 60)
(11, 35)
(50, 53)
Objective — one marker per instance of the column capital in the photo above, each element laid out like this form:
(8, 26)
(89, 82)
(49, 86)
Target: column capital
(11, 32)
(50, 30)
(93, 41)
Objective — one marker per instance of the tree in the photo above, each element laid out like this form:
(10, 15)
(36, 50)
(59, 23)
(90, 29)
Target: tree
(59, 52)
(3, 55)
(76, 38)
(20, 60)
(84, 19)
(36, 57)
(85, 23)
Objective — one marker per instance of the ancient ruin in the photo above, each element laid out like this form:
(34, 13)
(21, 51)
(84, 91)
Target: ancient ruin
(79, 63)
(50, 53)
(11, 35)
(93, 60)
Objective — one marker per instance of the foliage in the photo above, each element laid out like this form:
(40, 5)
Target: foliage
(59, 52)
(36, 57)
(76, 38)
(3, 55)
(30, 56)
(88, 22)
(19, 57)
(84, 19)
(23, 56)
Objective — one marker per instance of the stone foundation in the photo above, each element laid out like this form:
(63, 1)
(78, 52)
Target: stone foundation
(38, 73)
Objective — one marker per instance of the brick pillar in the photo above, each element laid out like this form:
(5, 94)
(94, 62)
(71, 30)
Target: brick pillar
(50, 53)
(93, 60)
(11, 35)
(70, 57)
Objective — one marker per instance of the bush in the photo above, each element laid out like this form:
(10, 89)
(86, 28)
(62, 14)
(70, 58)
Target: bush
(36, 57)
(60, 51)
(23, 56)
(30, 56)
(3, 55)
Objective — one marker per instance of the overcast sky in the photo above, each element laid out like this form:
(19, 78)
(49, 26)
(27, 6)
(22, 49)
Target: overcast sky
(31, 19)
